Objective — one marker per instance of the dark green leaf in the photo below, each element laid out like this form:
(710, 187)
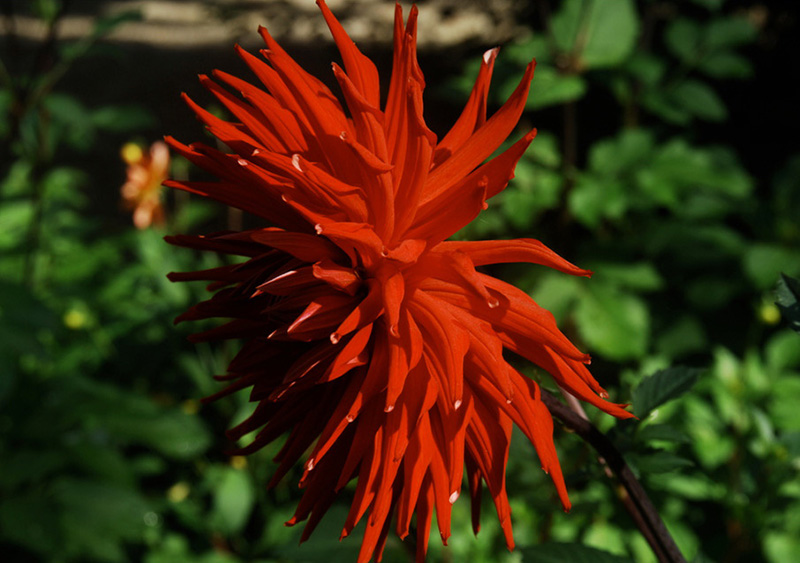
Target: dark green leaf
(646, 67)
(685, 335)
(30, 520)
(729, 32)
(659, 462)
(28, 465)
(107, 24)
(683, 37)
(173, 433)
(123, 119)
(663, 433)
(568, 552)
(725, 64)
(788, 300)
(662, 386)
(710, 4)
(700, 100)
(71, 121)
(657, 102)
(46, 10)
(97, 518)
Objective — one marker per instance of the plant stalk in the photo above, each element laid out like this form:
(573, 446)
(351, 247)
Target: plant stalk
(633, 494)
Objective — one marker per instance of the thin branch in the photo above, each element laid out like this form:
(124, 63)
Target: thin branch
(634, 496)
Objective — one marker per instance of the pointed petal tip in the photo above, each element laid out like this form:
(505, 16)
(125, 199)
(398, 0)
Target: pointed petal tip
(490, 55)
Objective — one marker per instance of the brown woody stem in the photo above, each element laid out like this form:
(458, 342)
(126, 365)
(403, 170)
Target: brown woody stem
(632, 493)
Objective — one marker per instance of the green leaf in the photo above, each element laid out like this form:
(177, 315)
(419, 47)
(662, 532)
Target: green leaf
(783, 351)
(729, 32)
(29, 465)
(783, 408)
(71, 121)
(712, 5)
(683, 38)
(568, 552)
(15, 219)
(173, 433)
(552, 88)
(700, 100)
(788, 300)
(601, 34)
(614, 324)
(693, 487)
(611, 33)
(107, 24)
(30, 520)
(234, 497)
(662, 386)
(565, 24)
(534, 190)
(658, 102)
(638, 276)
(725, 64)
(98, 518)
(662, 433)
(594, 199)
(786, 202)
(684, 336)
(46, 10)
(658, 462)
(647, 68)
(616, 156)
(763, 263)
(123, 118)
(556, 293)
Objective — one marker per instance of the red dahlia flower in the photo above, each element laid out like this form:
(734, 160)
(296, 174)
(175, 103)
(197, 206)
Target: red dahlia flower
(371, 340)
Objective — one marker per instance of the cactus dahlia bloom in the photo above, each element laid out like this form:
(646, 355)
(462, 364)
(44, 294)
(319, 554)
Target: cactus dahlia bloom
(370, 339)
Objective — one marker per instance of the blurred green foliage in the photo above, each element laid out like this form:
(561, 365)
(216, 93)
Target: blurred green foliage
(107, 455)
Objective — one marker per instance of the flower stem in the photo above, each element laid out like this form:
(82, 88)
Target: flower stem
(632, 493)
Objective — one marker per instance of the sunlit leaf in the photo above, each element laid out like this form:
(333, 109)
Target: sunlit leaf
(601, 34)
(614, 324)
(233, 501)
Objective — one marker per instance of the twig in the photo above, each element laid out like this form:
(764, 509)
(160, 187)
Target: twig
(634, 496)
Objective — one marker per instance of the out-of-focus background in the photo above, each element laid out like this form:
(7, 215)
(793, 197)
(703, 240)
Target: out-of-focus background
(666, 161)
